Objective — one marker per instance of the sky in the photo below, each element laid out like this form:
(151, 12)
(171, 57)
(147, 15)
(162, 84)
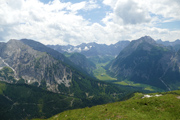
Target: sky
(82, 21)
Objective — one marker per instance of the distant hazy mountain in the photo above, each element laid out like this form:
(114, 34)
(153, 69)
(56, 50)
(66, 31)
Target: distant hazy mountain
(175, 45)
(93, 49)
(145, 61)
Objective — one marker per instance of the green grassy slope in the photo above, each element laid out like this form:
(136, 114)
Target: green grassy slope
(100, 72)
(164, 107)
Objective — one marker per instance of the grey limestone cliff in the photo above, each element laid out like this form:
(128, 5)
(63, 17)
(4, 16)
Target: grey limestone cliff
(34, 66)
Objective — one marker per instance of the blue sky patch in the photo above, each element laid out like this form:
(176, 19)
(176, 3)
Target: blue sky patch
(175, 25)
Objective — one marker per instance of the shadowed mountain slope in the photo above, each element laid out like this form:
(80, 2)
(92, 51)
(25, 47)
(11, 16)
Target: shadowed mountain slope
(145, 61)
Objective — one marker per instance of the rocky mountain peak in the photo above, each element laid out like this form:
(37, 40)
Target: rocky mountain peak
(145, 39)
(16, 47)
(144, 43)
(15, 43)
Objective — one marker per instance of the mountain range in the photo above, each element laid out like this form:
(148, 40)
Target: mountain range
(143, 61)
(29, 63)
(29, 68)
(175, 45)
(92, 49)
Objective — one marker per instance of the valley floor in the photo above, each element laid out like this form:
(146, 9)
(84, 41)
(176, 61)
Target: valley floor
(101, 74)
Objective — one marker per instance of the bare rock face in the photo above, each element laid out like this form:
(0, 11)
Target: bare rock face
(34, 66)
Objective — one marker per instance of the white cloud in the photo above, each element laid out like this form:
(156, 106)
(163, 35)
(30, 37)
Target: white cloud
(44, 22)
(77, 6)
(136, 18)
(139, 11)
(92, 4)
(84, 5)
(60, 23)
(111, 3)
(130, 12)
(52, 23)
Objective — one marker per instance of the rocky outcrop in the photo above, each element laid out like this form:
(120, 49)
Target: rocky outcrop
(35, 67)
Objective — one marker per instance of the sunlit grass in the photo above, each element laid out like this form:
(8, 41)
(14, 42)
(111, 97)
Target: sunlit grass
(2, 87)
(149, 88)
(100, 72)
(122, 83)
(130, 83)
(165, 107)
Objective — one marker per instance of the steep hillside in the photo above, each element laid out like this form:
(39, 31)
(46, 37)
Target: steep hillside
(20, 101)
(35, 67)
(157, 106)
(57, 55)
(42, 48)
(81, 61)
(145, 61)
